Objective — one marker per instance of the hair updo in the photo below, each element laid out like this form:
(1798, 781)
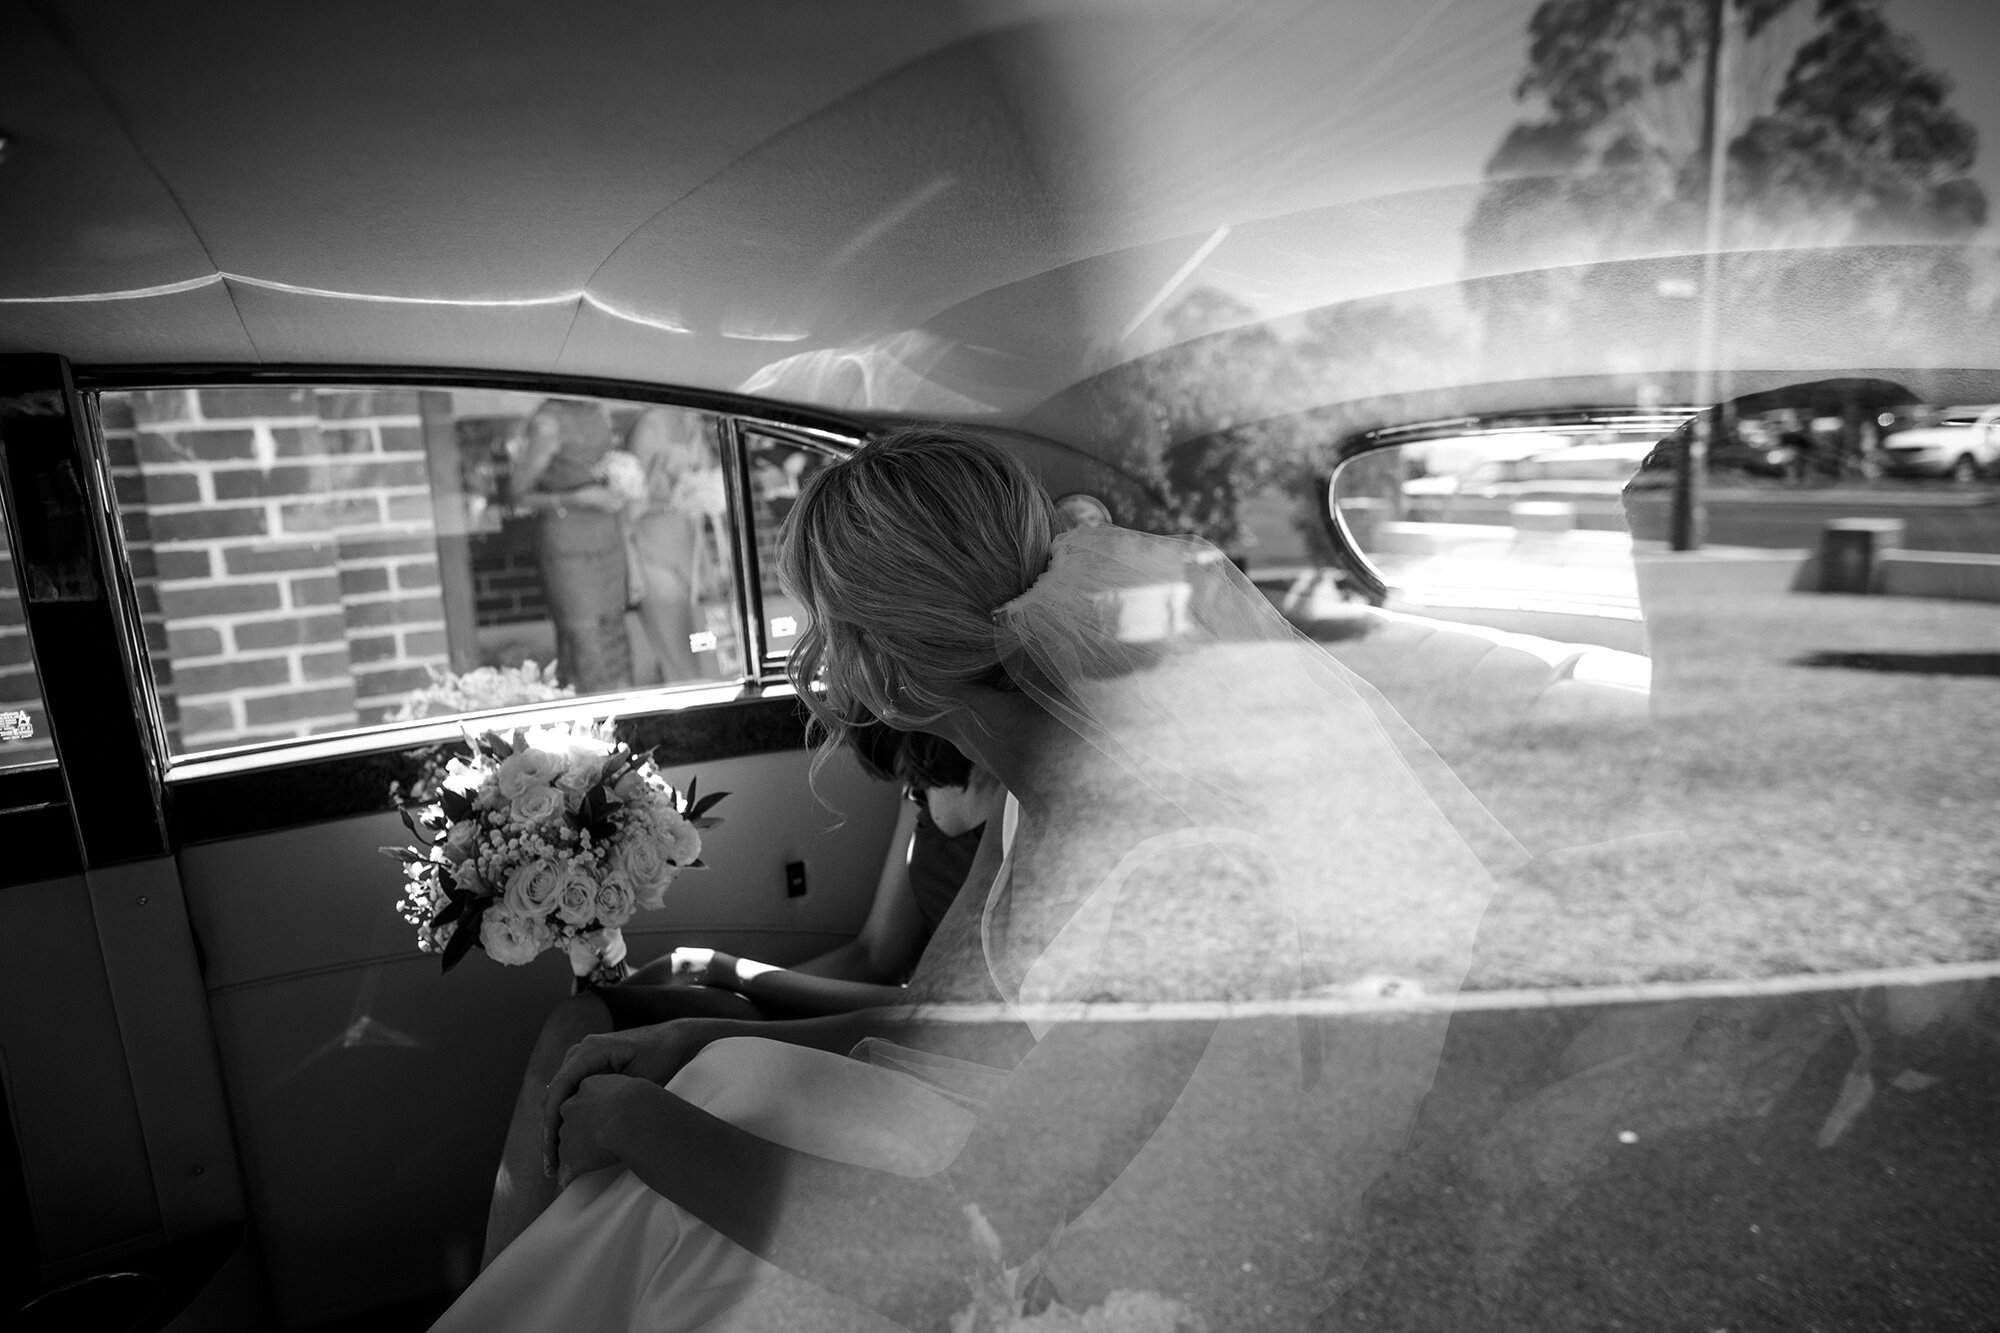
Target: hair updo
(900, 554)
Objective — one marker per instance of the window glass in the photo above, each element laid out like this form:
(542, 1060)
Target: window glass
(778, 468)
(1519, 529)
(314, 559)
(24, 729)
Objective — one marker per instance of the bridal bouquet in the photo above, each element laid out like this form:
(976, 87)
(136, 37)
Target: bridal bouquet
(550, 839)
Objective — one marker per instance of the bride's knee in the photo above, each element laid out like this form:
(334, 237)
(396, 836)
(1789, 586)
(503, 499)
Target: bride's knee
(568, 1023)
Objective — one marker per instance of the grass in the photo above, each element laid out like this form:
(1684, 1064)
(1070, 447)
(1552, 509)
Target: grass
(1772, 818)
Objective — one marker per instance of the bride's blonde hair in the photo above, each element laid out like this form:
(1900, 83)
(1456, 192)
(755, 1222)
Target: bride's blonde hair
(900, 554)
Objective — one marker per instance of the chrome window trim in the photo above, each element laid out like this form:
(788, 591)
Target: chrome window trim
(390, 736)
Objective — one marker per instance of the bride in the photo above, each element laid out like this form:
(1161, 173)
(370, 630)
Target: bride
(1131, 1073)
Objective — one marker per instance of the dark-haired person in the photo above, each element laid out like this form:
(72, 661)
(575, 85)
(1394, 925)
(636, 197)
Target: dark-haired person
(949, 805)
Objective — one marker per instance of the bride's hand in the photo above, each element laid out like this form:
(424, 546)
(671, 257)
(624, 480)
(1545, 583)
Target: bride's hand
(591, 1123)
(654, 1054)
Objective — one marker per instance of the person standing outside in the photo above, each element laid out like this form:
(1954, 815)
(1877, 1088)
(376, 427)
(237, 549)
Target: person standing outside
(580, 541)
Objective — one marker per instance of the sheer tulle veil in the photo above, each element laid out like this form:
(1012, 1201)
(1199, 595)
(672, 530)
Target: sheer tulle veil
(1162, 654)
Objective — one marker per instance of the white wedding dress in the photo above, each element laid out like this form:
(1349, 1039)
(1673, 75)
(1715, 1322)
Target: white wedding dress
(612, 1255)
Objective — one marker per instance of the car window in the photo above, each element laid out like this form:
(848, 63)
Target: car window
(24, 730)
(316, 559)
(779, 466)
(1545, 537)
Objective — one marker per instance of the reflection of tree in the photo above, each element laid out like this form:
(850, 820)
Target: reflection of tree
(1224, 411)
(1837, 134)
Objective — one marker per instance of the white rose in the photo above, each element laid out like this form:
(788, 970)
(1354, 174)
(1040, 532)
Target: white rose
(513, 939)
(531, 889)
(645, 866)
(527, 768)
(576, 895)
(459, 840)
(680, 842)
(536, 805)
(631, 787)
(467, 877)
(582, 771)
(615, 900)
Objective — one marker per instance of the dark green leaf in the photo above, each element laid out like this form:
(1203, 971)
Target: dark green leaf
(456, 805)
(465, 936)
(705, 804)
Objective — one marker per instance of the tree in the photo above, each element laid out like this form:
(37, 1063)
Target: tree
(1837, 134)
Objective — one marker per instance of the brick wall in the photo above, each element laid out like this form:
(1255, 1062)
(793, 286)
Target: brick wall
(507, 575)
(284, 546)
(20, 691)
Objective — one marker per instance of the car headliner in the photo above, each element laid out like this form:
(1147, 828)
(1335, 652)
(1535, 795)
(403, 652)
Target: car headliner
(882, 206)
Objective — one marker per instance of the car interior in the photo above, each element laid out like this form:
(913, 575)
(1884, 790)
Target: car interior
(1608, 385)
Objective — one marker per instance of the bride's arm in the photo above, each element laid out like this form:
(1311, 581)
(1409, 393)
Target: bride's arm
(1069, 1120)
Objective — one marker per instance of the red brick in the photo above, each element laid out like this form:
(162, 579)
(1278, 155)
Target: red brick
(364, 579)
(369, 647)
(315, 479)
(151, 406)
(390, 680)
(147, 595)
(270, 557)
(368, 476)
(374, 548)
(114, 411)
(299, 704)
(419, 574)
(167, 488)
(140, 560)
(289, 632)
(194, 641)
(11, 612)
(410, 508)
(154, 632)
(425, 643)
(197, 446)
(14, 650)
(402, 439)
(135, 525)
(322, 515)
(181, 565)
(249, 483)
(400, 611)
(222, 677)
(257, 400)
(330, 665)
(370, 714)
(224, 599)
(345, 441)
(205, 524)
(296, 441)
(122, 451)
(317, 590)
(334, 403)
(199, 718)
(19, 687)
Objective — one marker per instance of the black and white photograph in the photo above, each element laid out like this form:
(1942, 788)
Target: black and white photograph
(1000, 666)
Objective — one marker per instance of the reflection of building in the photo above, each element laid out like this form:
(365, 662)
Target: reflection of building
(284, 550)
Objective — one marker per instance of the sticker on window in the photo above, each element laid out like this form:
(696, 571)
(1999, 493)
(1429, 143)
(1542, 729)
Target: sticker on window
(783, 627)
(702, 641)
(16, 726)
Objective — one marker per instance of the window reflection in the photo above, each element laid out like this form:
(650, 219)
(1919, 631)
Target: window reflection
(316, 559)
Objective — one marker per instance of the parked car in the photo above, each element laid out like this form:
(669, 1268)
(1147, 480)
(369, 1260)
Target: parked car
(1961, 443)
